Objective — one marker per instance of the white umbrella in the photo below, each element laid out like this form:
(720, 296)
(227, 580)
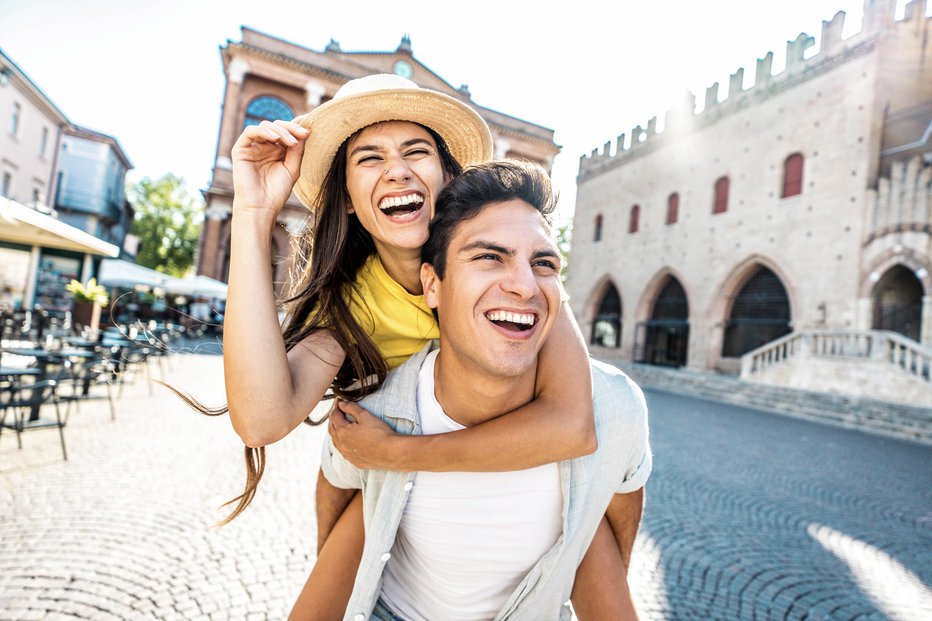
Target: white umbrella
(119, 273)
(199, 286)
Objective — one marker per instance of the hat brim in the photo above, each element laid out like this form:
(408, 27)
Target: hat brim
(330, 124)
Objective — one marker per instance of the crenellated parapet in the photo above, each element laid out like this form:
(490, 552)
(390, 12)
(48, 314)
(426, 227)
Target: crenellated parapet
(879, 16)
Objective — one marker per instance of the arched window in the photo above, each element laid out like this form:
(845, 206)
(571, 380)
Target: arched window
(673, 208)
(721, 195)
(793, 175)
(606, 329)
(666, 333)
(759, 314)
(634, 219)
(597, 236)
(267, 108)
(898, 302)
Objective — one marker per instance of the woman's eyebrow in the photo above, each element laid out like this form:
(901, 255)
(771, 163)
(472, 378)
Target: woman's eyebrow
(404, 145)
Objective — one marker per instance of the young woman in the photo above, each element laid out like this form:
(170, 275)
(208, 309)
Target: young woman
(372, 162)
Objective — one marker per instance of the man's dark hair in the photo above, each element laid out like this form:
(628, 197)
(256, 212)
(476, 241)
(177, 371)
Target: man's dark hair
(477, 187)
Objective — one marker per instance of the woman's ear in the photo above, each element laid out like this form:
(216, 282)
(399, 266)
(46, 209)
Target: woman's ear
(431, 283)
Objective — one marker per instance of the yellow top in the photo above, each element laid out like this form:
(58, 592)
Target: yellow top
(399, 323)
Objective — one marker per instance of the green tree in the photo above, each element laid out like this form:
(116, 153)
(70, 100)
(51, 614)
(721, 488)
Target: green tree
(168, 223)
(564, 242)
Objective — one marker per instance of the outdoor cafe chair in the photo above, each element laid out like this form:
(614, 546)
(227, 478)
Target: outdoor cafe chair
(127, 359)
(17, 401)
(79, 376)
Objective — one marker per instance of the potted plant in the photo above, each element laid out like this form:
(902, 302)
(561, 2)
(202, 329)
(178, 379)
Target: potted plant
(88, 299)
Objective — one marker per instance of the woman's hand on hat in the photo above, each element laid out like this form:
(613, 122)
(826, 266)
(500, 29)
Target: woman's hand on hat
(266, 164)
(362, 438)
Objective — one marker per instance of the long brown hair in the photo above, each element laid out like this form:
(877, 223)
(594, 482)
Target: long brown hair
(327, 258)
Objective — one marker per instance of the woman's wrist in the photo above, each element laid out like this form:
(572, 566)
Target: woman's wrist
(255, 220)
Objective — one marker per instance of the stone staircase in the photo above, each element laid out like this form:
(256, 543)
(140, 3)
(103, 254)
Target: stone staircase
(886, 418)
(875, 364)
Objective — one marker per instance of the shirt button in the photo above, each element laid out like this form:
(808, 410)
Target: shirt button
(408, 486)
(386, 556)
(359, 617)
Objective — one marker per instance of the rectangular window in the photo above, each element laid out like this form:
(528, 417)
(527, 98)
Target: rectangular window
(14, 122)
(6, 186)
(43, 141)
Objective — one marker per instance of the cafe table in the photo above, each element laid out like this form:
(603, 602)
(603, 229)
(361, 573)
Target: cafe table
(44, 358)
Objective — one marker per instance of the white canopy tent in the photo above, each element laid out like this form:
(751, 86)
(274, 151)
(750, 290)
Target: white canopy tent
(23, 225)
(120, 273)
(197, 287)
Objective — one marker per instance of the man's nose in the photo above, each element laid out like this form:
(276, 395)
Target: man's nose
(519, 280)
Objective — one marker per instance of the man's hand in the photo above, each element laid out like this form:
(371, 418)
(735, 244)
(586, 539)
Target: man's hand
(366, 441)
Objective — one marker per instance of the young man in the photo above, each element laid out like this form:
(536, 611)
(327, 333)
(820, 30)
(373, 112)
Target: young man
(504, 545)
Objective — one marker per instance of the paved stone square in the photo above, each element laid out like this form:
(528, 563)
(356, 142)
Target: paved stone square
(749, 516)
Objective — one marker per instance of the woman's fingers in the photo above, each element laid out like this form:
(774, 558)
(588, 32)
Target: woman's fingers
(284, 133)
(275, 132)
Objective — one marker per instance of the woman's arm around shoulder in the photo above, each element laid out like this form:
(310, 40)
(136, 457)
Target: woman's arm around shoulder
(558, 424)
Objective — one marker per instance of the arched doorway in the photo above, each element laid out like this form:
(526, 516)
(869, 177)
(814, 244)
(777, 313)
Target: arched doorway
(666, 334)
(606, 327)
(760, 314)
(898, 302)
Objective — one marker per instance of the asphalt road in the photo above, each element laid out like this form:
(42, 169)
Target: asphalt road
(748, 516)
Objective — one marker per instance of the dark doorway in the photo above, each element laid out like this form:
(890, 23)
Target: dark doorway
(898, 302)
(606, 328)
(666, 334)
(760, 314)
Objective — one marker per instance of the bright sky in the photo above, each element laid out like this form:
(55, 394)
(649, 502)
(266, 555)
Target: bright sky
(150, 74)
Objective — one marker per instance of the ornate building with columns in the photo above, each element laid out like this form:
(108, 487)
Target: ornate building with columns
(786, 221)
(269, 78)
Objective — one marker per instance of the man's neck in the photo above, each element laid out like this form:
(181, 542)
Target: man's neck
(471, 397)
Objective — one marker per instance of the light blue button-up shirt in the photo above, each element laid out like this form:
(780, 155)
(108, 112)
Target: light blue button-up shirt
(621, 464)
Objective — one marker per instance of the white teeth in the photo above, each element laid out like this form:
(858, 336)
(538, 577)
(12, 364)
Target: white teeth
(398, 201)
(525, 318)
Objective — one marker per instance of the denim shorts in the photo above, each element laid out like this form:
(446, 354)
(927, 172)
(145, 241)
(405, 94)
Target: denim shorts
(381, 612)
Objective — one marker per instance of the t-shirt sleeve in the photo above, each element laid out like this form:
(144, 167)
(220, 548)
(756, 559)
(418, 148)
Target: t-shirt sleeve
(340, 472)
(640, 461)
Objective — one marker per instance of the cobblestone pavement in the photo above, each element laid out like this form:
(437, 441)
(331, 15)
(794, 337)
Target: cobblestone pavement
(757, 516)
(749, 516)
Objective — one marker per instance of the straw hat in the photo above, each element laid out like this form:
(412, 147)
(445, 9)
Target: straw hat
(386, 97)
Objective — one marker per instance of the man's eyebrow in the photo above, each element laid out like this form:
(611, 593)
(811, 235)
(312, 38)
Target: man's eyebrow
(546, 252)
(404, 145)
(481, 244)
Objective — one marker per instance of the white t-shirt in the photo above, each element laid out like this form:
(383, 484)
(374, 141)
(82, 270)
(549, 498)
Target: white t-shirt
(467, 539)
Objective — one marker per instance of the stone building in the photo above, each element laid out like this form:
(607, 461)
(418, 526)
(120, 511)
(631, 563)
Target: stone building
(795, 213)
(42, 249)
(269, 78)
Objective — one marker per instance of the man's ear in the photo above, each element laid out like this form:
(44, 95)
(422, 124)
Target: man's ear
(430, 282)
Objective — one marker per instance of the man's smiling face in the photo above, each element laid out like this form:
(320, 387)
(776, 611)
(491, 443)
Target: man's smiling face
(501, 291)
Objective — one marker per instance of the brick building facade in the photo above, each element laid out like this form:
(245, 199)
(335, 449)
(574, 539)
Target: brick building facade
(269, 78)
